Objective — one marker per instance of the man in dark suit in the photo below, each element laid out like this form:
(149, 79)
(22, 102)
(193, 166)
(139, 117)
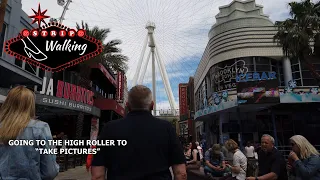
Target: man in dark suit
(152, 145)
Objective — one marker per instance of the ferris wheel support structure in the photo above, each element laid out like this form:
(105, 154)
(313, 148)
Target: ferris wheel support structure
(155, 56)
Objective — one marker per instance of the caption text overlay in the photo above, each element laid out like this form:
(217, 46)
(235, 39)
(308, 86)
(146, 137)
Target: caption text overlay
(67, 146)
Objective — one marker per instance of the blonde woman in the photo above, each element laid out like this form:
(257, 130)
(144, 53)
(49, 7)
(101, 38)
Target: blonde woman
(239, 161)
(17, 123)
(304, 160)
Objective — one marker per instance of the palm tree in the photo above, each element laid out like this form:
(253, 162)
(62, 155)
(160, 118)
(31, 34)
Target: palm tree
(110, 57)
(3, 7)
(299, 33)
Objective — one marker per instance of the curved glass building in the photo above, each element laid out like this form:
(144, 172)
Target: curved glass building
(245, 87)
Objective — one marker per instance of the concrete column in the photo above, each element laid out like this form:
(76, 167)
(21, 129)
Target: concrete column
(23, 65)
(275, 135)
(208, 133)
(221, 121)
(240, 139)
(37, 74)
(287, 72)
(223, 118)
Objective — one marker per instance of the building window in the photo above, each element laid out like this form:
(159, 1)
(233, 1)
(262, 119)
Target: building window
(250, 68)
(18, 62)
(317, 66)
(295, 67)
(31, 69)
(262, 61)
(309, 82)
(262, 68)
(296, 75)
(41, 72)
(248, 60)
(2, 38)
(307, 78)
(306, 75)
(298, 81)
(294, 61)
(208, 86)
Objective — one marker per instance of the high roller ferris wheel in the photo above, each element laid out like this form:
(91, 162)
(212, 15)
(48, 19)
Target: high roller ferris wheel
(180, 36)
(154, 52)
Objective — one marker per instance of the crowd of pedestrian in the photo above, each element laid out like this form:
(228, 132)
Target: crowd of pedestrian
(153, 148)
(303, 162)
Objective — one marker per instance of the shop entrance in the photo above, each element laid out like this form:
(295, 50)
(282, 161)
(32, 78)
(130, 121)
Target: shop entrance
(62, 120)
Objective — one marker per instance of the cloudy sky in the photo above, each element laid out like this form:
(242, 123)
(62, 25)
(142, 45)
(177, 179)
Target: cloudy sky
(181, 32)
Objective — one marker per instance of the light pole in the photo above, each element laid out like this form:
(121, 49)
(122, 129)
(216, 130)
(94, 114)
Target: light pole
(64, 9)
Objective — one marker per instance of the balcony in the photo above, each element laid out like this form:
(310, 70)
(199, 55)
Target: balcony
(106, 72)
(109, 104)
(103, 92)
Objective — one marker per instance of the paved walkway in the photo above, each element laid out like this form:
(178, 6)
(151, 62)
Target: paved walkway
(78, 173)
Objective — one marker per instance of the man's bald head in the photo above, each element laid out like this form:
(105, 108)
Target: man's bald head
(140, 98)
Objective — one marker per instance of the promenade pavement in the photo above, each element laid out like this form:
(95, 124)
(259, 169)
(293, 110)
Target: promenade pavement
(78, 173)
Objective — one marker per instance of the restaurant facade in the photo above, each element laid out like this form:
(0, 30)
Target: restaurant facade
(70, 104)
(245, 87)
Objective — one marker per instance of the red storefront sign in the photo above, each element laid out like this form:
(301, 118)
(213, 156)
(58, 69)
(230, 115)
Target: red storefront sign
(183, 106)
(67, 91)
(107, 74)
(120, 86)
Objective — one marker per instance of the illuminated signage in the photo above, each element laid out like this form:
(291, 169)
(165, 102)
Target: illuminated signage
(120, 87)
(224, 77)
(67, 91)
(256, 76)
(183, 100)
(107, 74)
(53, 46)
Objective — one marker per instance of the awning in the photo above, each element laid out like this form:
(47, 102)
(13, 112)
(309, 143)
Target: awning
(240, 108)
(59, 104)
(66, 104)
(43, 111)
(106, 74)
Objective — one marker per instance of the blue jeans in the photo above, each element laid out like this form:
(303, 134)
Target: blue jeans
(213, 172)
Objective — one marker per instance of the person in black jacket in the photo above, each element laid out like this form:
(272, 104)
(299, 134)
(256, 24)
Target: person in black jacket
(152, 145)
(272, 165)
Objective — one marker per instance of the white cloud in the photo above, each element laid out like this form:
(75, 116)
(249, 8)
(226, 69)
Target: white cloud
(181, 27)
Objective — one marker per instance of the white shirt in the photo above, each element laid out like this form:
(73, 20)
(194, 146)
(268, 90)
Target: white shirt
(200, 152)
(249, 151)
(240, 160)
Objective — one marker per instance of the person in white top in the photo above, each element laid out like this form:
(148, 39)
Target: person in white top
(249, 150)
(239, 166)
(199, 150)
